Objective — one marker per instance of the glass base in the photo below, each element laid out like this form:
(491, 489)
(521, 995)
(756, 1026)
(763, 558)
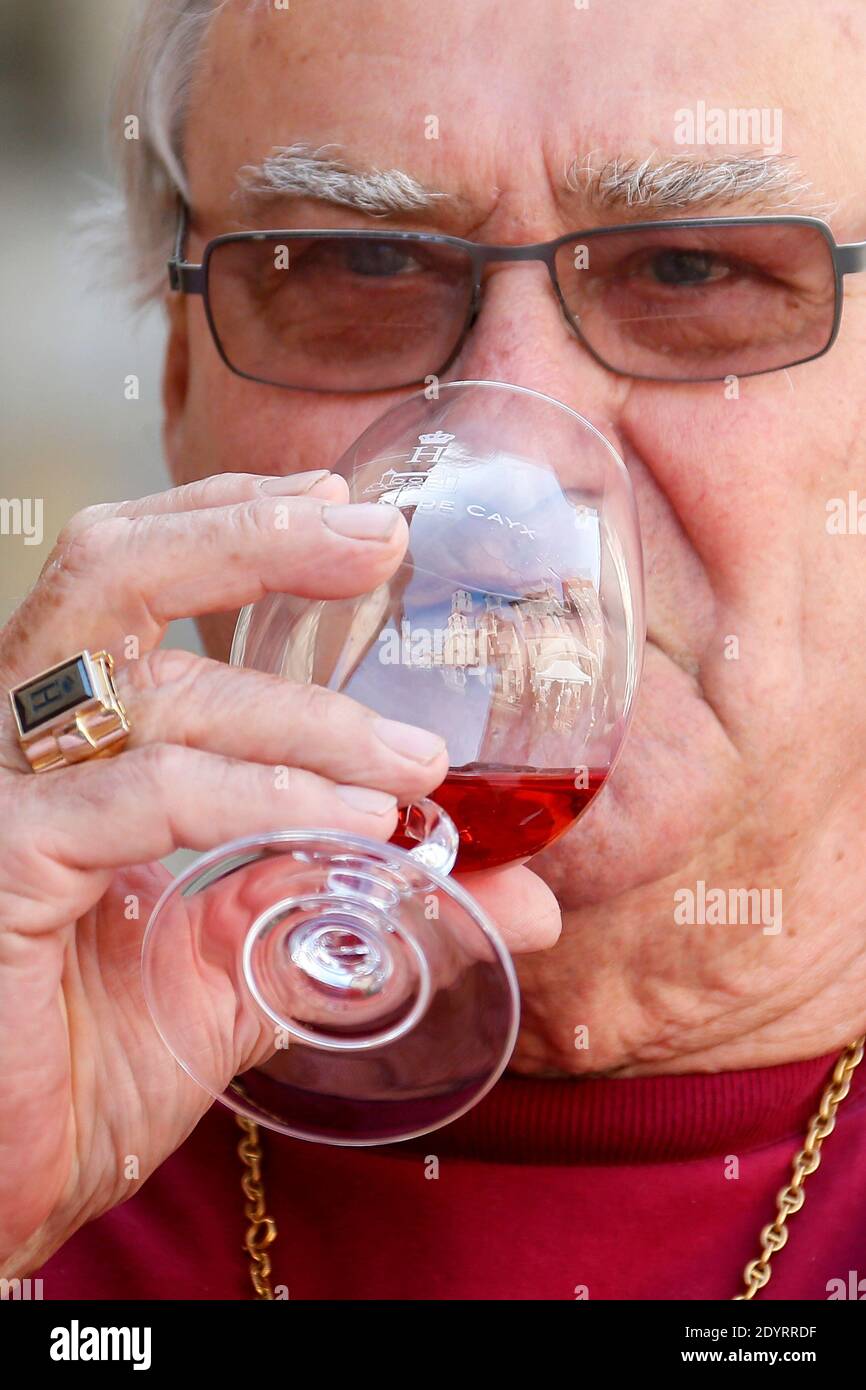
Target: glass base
(330, 987)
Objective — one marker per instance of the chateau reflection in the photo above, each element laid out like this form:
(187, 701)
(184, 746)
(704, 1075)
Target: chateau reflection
(546, 648)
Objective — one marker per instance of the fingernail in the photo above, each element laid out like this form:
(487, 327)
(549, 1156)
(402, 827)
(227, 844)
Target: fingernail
(367, 799)
(409, 740)
(364, 521)
(293, 484)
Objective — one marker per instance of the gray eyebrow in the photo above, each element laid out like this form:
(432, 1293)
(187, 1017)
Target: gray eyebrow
(768, 182)
(663, 185)
(300, 171)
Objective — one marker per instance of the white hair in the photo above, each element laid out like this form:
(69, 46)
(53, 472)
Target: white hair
(299, 169)
(685, 182)
(153, 85)
(136, 225)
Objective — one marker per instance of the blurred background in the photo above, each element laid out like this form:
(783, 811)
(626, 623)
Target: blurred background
(68, 435)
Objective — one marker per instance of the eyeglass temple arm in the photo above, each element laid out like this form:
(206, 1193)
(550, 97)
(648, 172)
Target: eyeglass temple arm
(183, 275)
(851, 258)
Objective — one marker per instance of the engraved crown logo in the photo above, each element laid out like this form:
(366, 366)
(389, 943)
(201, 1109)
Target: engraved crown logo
(440, 437)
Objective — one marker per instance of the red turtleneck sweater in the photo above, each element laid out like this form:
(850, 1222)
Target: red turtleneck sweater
(547, 1190)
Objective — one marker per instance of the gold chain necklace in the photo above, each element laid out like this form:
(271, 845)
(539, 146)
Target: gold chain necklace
(262, 1231)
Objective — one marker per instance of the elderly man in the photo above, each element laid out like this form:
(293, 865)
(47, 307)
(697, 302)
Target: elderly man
(648, 1160)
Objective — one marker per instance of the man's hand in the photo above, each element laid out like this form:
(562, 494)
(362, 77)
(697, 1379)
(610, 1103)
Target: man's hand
(85, 1082)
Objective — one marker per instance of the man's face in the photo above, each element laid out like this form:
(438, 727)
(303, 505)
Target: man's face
(751, 715)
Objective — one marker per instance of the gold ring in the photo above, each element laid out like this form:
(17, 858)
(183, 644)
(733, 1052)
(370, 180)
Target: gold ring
(70, 712)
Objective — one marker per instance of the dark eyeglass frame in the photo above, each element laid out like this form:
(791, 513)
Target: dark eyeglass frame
(186, 277)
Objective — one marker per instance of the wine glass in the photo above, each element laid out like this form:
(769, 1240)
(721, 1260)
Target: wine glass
(368, 996)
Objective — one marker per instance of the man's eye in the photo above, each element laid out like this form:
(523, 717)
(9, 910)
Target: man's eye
(687, 267)
(378, 258)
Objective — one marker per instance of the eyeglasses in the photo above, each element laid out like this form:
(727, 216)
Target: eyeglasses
(694, 300)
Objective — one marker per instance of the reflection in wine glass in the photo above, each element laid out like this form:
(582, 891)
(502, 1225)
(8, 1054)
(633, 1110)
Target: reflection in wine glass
(514, 628)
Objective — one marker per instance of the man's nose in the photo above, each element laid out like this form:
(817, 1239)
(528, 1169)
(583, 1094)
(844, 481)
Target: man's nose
(520, 335)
